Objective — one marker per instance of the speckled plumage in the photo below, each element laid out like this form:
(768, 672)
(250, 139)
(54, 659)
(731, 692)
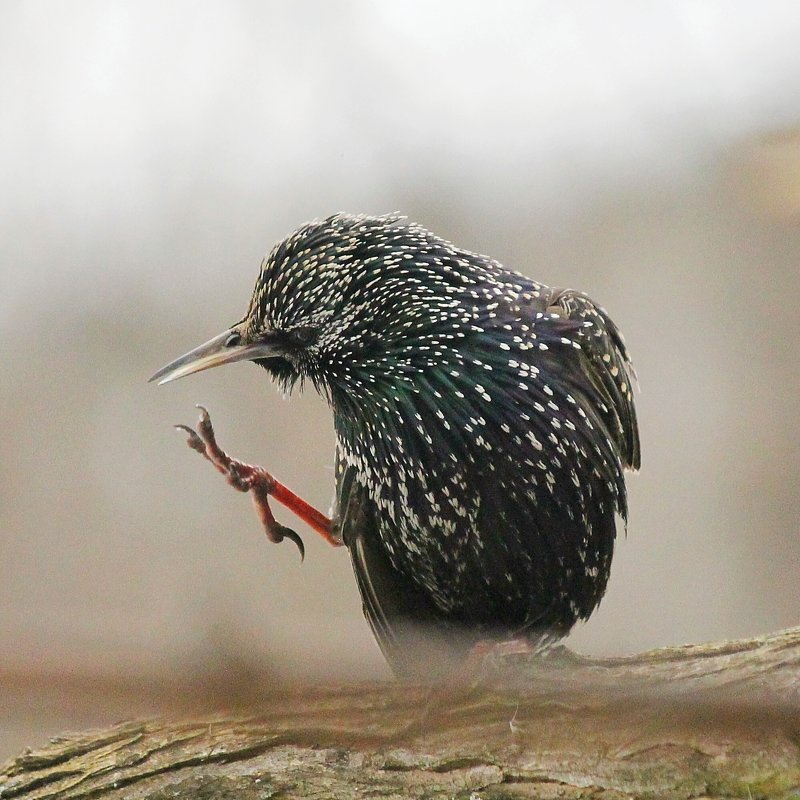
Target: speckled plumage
(483, 423)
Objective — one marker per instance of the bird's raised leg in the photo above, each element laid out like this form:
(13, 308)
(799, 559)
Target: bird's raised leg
(261, 485)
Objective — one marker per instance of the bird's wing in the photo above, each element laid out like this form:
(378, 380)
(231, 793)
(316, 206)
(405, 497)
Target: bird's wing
(408, 630)
(607, 367)
(576, 395)
(598, 370)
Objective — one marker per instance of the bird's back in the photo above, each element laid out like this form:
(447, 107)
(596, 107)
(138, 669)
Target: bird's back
(503, 520)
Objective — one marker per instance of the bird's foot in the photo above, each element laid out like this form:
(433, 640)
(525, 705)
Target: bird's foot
(501, 648)
(260, 484)
(488, 656)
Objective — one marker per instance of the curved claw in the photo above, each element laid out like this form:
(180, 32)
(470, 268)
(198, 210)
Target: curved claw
(205, 429)
(281, 532)
(194, 441)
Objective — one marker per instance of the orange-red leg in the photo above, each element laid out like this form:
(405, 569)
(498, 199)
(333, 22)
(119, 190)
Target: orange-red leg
(261, 485)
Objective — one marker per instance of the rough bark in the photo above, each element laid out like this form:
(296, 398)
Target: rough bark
(716, 720)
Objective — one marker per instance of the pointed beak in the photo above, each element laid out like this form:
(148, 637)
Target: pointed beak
(223, 349)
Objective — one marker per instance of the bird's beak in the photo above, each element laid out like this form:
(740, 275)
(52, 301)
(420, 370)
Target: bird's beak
(223, 349)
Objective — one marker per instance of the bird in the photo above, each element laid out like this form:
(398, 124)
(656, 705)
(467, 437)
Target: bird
(484, 422)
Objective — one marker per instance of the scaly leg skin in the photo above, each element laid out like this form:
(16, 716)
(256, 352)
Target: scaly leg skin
(260, 484)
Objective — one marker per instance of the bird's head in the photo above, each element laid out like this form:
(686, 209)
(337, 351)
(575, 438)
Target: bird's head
(344, 302)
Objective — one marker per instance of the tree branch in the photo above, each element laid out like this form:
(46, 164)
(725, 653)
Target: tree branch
(714, 720)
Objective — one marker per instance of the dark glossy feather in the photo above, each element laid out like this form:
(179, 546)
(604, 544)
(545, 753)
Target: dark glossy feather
(483, 424)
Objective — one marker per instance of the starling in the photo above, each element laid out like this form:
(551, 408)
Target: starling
(483, 424)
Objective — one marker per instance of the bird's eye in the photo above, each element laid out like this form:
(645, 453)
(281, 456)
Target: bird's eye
(304, 334)
(234, 339)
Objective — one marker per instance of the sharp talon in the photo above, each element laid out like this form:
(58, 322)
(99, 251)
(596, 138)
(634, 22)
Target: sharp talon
(193, 440)
(204, 427)
(281, 532)
(295, 537)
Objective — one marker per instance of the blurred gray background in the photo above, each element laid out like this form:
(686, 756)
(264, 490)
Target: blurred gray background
(151, 152)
